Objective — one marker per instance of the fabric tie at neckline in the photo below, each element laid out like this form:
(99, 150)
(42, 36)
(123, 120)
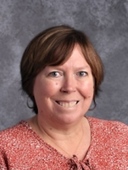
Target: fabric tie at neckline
(78, 165)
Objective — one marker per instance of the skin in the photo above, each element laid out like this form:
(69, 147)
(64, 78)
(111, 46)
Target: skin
(63, 95)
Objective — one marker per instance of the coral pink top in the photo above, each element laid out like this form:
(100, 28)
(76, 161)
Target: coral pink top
(22, 149)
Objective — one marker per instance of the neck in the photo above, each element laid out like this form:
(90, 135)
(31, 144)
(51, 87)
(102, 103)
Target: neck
(59, 131)
(63, 138)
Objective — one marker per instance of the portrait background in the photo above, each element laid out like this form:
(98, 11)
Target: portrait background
(105, 23)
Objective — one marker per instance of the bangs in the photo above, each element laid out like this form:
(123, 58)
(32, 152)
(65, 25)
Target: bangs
(60, 52)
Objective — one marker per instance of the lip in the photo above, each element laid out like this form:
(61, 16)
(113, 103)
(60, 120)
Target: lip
(67, 104)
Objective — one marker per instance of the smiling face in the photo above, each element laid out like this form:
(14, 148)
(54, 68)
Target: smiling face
(64, 93)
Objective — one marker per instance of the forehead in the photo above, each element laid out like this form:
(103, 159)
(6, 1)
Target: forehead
(76, 58)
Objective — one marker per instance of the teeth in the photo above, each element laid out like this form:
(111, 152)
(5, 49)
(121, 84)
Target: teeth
(67, 104)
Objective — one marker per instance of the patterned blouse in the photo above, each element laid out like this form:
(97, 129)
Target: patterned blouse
(22, 149)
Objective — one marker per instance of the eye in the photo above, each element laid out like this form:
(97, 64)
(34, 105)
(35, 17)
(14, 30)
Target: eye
(82, 73)
(54, 74)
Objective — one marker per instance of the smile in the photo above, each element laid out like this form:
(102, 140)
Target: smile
(67, 104)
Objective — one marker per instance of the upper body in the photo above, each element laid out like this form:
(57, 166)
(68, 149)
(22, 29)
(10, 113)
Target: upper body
(61, 73)
(22, 149)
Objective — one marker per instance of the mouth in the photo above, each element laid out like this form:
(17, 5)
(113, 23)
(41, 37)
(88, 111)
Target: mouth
(68, 104)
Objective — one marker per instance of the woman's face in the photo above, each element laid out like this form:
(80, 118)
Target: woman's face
(64, 93)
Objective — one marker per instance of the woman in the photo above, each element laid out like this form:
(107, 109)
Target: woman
(61, 73)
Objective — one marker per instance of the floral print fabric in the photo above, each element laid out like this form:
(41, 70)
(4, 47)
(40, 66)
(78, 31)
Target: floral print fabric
(22, 149)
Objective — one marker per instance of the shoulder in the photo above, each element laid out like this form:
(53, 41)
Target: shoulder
(15, 128)
(108, 125)
(110, 141)
(13, 134)
(113, 129)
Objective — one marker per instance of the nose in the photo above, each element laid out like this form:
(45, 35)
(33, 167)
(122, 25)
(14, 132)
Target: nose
(69, 84)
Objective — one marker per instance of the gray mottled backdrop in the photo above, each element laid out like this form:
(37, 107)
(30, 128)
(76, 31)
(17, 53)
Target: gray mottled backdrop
(104, 21)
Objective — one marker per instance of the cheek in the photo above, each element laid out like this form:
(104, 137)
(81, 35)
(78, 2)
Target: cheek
(46, 88)
(88, 88)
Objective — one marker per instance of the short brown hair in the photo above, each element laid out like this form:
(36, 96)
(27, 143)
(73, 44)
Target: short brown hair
(53, 47)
